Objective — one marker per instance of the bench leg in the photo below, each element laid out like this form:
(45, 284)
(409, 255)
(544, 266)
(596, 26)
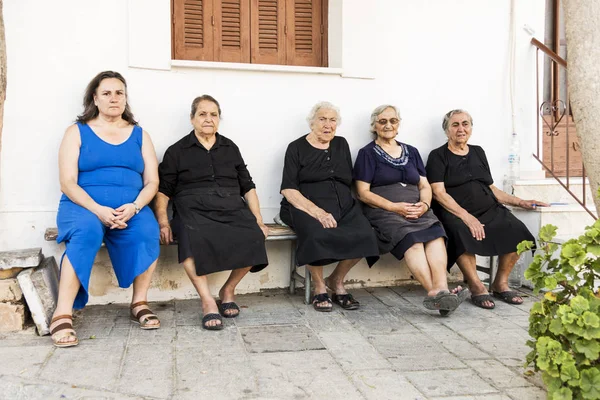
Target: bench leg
(293, 269)
(307, 280)
(493, 269)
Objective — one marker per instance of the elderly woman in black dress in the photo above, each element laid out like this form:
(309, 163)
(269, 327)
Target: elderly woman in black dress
(217, 218)
(472, 211)
(319, 206)
(390, 180)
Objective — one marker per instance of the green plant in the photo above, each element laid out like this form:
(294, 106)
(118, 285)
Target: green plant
(565, 324)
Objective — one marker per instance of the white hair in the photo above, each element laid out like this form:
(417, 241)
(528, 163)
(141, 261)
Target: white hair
(326, 105)
(450, 114)
(378, 111)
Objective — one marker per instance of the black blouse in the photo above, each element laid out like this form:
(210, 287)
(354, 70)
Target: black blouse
(189, 165)
(306, 164)
(466, 178)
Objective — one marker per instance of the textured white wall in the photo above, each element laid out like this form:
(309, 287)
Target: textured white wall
(426, 57)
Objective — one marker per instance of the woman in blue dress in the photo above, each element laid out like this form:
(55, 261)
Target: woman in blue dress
(390, 180)
(108, 175)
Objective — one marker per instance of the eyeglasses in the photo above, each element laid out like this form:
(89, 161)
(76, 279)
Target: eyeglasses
(384, 122)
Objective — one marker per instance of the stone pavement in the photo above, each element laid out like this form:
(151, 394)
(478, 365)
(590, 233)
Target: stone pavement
(279, 348)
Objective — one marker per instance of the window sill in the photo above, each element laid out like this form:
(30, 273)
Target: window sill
(256, 67)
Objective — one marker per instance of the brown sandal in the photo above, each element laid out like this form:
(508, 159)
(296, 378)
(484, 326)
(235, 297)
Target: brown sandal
(62, 331)
(143, 316)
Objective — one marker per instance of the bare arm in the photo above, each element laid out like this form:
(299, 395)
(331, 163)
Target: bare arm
(161, 202)
(254, 206)
(297, 200)
(446, 201)
(150, 178)
(508, 199)
(68, 159)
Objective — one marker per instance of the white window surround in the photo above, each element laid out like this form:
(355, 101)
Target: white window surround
(150, 41)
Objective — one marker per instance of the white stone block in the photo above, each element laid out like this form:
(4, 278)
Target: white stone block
(40, 287)
(12, 317)
(26, 258)
(10, 291)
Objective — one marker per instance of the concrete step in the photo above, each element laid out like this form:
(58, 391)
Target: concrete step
(550, 191)
(570, 219)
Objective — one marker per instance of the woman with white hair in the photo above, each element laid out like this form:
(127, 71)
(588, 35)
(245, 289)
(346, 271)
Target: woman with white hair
(390, 179)
(318, 205)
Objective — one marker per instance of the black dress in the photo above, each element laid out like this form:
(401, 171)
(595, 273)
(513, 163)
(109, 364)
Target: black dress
(211, 220)
(467, 179)
(396, 179)
(325, 177)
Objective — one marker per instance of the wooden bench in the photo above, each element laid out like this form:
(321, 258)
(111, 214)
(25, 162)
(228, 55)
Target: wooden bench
(276, 233)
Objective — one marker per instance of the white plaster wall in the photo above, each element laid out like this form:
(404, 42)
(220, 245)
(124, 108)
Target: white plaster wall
(426, 57)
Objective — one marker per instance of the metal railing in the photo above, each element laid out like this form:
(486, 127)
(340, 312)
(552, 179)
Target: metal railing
(551, 113)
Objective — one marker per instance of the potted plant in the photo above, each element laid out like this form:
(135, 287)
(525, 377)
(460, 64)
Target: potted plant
(565, 323)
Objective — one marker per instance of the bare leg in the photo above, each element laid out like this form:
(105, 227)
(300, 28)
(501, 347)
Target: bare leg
(416, 261)
(319, 283)
(335, 281)
(209, 306)
(141, 284)
(67, 291)
(506, 263)
(227, 292)
(435, 250)
(468, 266)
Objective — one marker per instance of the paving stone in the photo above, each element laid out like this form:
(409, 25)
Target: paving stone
(529, 393)
(158, 337)
(449, 383)
(226, 342)
(327, 322)
(24, 361)
(497, 374)
(314, 375)
(10, 291)
(507, 343)
(376, 321)
(397, 345)
(40, 287)
(12, 317)
(94, 364)
(25, 258)
(271, 310)
(453, 342)
(147, 371)
(388, 297)
(279, 338)
(481, 397)
(385, 384)
(367, 300)
(352, 351)
(212, 375)
(427, 363)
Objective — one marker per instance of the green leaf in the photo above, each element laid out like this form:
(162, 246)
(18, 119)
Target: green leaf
(573, 252)
(590, 348)
(590, 383)
(569, 374)
(537, 309)
(594, 249)
(547, 232)
(591, 320)
(562, 394)
(579, 304)
(556, 327)
(524, 246)
(550, 283)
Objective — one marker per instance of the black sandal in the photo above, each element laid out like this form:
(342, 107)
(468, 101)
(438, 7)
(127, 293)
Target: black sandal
(228, 306)
(346, 301)
(320, 298)
(210, 317)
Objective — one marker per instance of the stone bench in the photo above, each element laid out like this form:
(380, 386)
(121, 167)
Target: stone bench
(276, 233)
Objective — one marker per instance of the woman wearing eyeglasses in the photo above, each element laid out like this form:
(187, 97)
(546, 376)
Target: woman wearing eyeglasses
(318, 205)
(390, 179)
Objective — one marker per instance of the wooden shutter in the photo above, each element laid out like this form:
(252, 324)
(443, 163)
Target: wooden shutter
(304, 38)
(232, 31)
(192, 30)
(268, 37)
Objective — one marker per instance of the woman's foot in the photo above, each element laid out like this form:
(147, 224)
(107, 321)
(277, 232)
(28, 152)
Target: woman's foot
(503, 292)
(228, 308)
(62, 331)
(480, 296)
(209, 307)
(141, 313)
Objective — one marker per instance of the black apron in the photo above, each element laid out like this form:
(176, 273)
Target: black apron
(216, 228)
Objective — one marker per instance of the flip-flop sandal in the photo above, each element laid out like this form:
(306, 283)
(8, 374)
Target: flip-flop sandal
(320, 298)
(463, 295)
(508, 296)
(346, 301)
(442, 301)
(228, 306)
(62, 331)
(210, 317)
(144, 316)
(479, 299)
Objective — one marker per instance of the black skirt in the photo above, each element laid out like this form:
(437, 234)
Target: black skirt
(396, 234)
(216, 228)
(352, 238)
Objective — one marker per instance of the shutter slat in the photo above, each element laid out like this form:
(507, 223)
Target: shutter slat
(304, 39)
(193, 28)
(232, 30)
(192, 31)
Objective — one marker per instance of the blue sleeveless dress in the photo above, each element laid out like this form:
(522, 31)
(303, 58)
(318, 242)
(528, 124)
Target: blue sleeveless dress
(112, 176)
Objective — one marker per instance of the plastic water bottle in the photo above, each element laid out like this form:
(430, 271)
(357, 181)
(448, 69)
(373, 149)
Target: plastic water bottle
(514, 164)
(515, 278)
